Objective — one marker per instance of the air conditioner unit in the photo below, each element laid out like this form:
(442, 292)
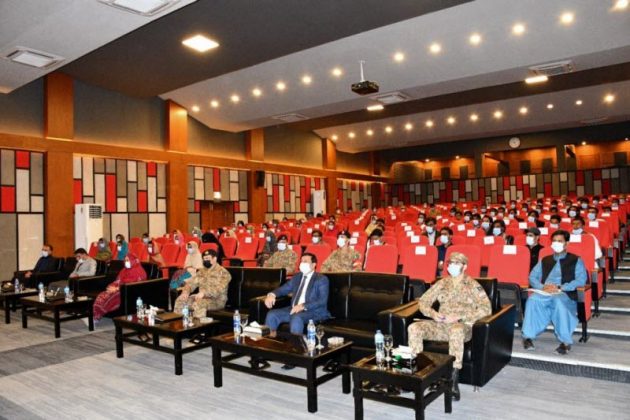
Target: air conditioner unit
(319, 201)
(88, 224)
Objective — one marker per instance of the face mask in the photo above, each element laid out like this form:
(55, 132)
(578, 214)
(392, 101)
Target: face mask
(493, 214)
(454, 270)
(305, 268)
(429, 229)
(127, 264)
(496, 231)
(475, 222)
(44, 254)
(452, 213)
(195, 235)
(511, 216)
(331, 227)
(150, 249)
(78, 259)
(377, 241)
(577, 231)
(282, 246)
(176, 241)
(584, 205)
(268, 238)
(553, 225)
(531, 219)
(444, 239)
(207, 263)
(485, 225)
(500, 215)
(572, 213)
(595, 202)
(420, 221)
(119, 248)
(101, 244)
(315, 239)
(592, 216)
(513, 206)
(622, 201)
(529, 240)
(145, 240)
(467, 218)
(190, 251)
(341, 242)
(557, 247)
(483, 210)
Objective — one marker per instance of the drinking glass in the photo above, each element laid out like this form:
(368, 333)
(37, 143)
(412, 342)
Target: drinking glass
(319, 333)
(243, 324)
(388, 342)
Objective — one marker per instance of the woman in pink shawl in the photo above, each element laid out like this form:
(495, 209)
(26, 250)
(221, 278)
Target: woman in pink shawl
(109, 300)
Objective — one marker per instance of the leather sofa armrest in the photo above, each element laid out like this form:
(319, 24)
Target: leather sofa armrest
(492, 339)
(400, 317)
(44, 278)
(258, 310)
(153, 292)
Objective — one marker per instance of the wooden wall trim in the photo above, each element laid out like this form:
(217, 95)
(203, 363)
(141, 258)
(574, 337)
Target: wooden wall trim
(176, 127)
(58, 106)
(255, 144)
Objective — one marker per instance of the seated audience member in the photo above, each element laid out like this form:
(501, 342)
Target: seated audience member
(284, 257)
(476, 221)
(196, 232)
(513, 215)
(331, 229)
(429, 230)
(103, 252)
(559, 275)
(45, 264)
(467, 216)
(498, 230)
(109, 300)
(486, 225)
(86, 265)
(122, 247)
(532, 217)
(316, 237)
(211, 283)
(446, 237)
(373, 223)
(146, 238)
(343, 258)
(531, 239)
(270, 239)
(573, 211)
(153, 249)
(376, 238)
(192, 263)
(462, 302)
(578, 229)
(421, 219)
(178, 237)
(554, 222)
(307, 302)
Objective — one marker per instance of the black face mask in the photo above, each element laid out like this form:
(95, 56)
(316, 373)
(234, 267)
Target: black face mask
(207, 264)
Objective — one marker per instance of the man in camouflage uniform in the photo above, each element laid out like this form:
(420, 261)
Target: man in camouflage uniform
(462, 302)
(212, 283)
(344, 258)
(284, 257)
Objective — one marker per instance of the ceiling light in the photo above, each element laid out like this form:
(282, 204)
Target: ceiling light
(457, 157)
(195, 108)
(567, 18)
(609, 99)
(306, 79)
(337, 72)
(408, 126)
(256, 92)
(621, 5)
(475, 39)
(235, 98)
(450, 120)
(549, 106)
(584, 143)
(523, 110)
(200, 43)
(518, 29)
(474, 117)
(334, 137)
(281, 86)
(536, 79)
(427, 160)
(435, 48)
(388, 129)
(399, 57)
(369, 132)
(498, 114)
(351, 134)
(141, 7)
(214, 103)
(578, 102)
(33, 58)
(429, 123)
(377, 107)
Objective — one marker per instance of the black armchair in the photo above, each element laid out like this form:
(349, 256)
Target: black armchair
(490, 348)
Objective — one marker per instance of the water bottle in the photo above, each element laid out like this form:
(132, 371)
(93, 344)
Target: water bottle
(139, 311)
(66, 292)
(236, 321)
(186, 314)
(379, 344)
(16, 285)
(310, 334)
(42, 295)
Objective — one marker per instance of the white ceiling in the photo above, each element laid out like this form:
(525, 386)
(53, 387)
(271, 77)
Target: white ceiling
(66, 28)
(598, 37)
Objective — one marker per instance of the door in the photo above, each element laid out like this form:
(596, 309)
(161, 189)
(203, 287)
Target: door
(216, 214)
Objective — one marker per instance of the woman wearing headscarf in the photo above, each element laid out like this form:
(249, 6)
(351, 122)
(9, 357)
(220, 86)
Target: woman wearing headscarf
(153, 249)
(122, 247)
(178, 237)
(103, 253)
(109, 300)
(192, 263)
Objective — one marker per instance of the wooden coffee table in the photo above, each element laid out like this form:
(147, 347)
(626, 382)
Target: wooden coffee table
(173, 329)
(288, 349)
(80, 307)
(431, 369)
(10, 300)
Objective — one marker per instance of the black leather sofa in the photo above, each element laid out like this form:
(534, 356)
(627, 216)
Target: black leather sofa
(490, 348)
(359, 302)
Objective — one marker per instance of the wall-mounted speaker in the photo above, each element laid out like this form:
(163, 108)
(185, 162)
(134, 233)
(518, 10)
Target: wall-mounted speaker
(260, 179)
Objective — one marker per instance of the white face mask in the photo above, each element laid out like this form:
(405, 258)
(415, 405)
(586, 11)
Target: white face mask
(557, 247)
(592, 216)
(529, 240)
(496, 231)
(444, 239)
(305, 268)
(531, 219)
(578, 231)
(511, 216)
(268, 238)
(176, 241)
(315, 239)
(377, 241)
(475, 222)
(341, 242)
(282, 246)
(44, 254)
(584, 205)
(467, 218)
(119, 248)
(485, 225)
(595, 202)
(190, 251)
(195, 235)
(150, 249)
(429, 229)
(331, 227)
(145, 240)
(454, 270)
(127, 264)
(572, 213)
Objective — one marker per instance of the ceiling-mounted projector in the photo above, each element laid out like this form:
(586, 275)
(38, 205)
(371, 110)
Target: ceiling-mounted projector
(364, 87)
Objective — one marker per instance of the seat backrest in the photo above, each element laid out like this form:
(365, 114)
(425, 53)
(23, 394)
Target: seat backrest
(371, 293)
(298, 251)
(152, 270)
(381, 259)
(331, 241)
(421, 263)
(321, 252)
(208, 245)
(114, 267)
(259, 281)
(170, 253)
(229, 245)
(153, 292)
(474, 257)
(338, 293)
(234, 288)
(140, 250)
(485, 244)
(93, 250)
(247, 248)
(509, 264)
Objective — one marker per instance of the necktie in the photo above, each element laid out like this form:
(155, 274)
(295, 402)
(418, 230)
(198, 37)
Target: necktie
(296, 298)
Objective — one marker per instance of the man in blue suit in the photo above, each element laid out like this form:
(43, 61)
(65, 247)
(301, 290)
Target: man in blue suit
(309, 300)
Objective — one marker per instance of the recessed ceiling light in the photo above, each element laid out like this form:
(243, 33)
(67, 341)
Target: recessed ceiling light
(369, 132)
(334, 137)
(141, 7)
(475, 39)
(498, 114)
(388, 129)
(518, 29)
(214, 103)
(235, 98)
(435, 48)
(306, 79)
(523, 110)
(408, 126)
(351, 134)
(549, 106)
(584, 143)
(281, 86)
(256, 92)
(377, 107)
(567, 18)
(429, 123)
(450, 120)
(621, 5)
(457, 157)
(609, 98)
(427, 160)
(195, 108)
(33, 58)
(337, 72)
(399, 57)
(579, 102)
(200, 43)
(474, 117)
(536, 79)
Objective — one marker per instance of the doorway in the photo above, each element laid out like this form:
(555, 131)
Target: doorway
(216, 214)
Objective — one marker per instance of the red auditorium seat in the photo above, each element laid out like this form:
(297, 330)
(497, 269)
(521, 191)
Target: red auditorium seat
(474, 257)
(139, 249)
(245, 253)
(421, 263)
(509, 264)
(321, 252)
(208, 245)
(485, 243)
(229, 246)
(381, 259)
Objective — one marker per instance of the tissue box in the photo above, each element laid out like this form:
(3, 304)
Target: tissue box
(260, 330)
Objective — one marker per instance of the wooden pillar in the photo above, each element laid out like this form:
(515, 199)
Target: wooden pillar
(58, 106)
(377, 194)
(176, 127)
(255, 145)
(256, 193)
(561, 158)
(479, 157)
(329, 155)
(375, 163)
(177, 170)
(59, 204)
(331, 195)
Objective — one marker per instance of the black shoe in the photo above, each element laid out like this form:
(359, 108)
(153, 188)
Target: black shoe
(528, 344)
(563, 349)
(259, 364)
(456, 394)
(288, 367)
